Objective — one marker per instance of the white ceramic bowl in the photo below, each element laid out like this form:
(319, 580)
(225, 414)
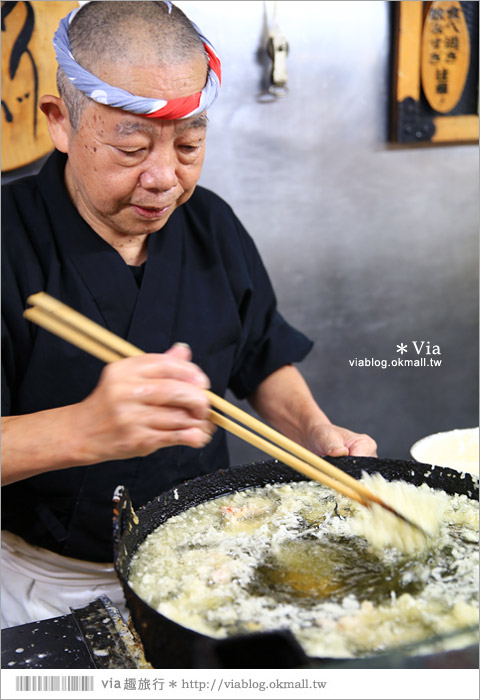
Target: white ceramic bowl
(457, 449)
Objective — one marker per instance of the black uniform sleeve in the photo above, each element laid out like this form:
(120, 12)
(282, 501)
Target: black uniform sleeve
(267, 341)
(20, 277)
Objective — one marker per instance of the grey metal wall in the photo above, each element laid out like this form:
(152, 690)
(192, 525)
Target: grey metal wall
(368, 245)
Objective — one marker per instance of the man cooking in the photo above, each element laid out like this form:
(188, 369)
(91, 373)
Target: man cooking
(115, 226)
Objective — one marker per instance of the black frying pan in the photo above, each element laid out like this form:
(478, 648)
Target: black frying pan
(168, 644)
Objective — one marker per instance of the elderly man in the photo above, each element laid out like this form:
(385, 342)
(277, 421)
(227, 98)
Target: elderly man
(116, 227)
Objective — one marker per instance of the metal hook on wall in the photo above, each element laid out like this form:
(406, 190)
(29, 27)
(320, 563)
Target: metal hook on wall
(277, 50)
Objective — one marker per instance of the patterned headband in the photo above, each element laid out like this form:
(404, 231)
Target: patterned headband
(103, 93)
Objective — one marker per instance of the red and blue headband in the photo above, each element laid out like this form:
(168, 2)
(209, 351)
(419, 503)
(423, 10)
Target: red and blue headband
(103, 93)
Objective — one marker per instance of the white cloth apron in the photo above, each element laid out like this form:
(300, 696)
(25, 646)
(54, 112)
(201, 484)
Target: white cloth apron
(38, 584)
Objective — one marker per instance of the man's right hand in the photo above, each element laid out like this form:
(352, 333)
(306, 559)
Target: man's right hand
(144, 403)
(139, 405)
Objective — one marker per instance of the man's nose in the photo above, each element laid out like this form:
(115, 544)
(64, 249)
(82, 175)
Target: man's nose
(159, 173)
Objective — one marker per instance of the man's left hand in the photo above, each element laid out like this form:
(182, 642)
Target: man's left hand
(333, 441)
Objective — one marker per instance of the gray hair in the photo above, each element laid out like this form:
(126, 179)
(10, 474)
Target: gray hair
(126, 32)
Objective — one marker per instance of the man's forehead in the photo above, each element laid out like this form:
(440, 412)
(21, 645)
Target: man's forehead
(131, 124)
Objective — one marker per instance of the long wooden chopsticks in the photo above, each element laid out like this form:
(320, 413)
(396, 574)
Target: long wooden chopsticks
(65, 322)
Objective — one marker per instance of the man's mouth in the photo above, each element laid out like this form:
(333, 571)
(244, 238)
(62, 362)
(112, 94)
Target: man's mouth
(148, 212)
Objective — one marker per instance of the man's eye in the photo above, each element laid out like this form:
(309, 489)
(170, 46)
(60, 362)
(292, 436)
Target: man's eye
(131, 152)
(188, 148)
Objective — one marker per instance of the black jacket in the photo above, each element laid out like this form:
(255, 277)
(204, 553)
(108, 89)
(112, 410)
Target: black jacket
(203, 284)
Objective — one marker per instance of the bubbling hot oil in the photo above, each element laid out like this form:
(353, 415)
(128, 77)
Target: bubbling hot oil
(298, 556)
(310, 570)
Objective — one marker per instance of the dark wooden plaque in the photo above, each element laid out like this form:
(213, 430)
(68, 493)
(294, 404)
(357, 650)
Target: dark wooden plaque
(435, 72)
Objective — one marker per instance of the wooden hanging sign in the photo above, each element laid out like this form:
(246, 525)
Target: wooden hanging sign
(435, 72)
(445, 55)
(28, 71)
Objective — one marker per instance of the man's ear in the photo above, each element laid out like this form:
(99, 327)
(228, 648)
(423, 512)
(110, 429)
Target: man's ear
(58, 121)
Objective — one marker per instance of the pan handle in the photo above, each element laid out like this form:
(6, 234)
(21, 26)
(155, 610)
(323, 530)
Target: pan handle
(124, 522)
(123, 512)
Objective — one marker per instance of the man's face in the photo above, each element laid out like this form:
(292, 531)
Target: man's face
(126, 173)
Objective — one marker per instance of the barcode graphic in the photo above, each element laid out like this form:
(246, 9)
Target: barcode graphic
(53, 683)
